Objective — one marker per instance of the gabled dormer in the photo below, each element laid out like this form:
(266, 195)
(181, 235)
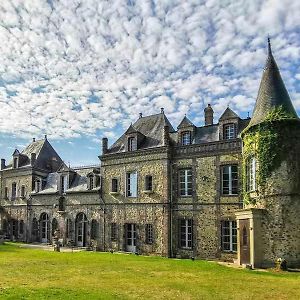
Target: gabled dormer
(66, 176)
(15, 162)
(133, 139)
(186, 132)
(93, 179)
(228, 125)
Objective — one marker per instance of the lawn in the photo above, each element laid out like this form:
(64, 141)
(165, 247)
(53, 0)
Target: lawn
(38, 274)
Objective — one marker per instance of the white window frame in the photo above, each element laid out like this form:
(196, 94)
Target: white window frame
(230, 179)
(186, 138)
(229, 131)
(251, 174)
(231, 227)
(64, 183)
(187, 176)
(131, 184)
(186, 233)
(132, 143)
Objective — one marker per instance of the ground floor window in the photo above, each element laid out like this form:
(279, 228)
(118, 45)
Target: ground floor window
(229, 236)
(113, 232)
(94, 229)
(186, 233)
(149, 234)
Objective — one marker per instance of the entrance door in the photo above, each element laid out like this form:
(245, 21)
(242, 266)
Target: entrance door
(245, 241)
(131, 238)
(45, 228)
(81, 221)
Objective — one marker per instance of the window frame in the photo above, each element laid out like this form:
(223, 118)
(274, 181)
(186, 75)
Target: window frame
(149, 183)
(186, 138)
(233, 183)
(231, 133)
(186, 191)
(114, 185)
(186, 233)
(23, 191)
(251, 174)
(131, 143)
(113, 232)
(229, 232)
(149, 236)
(13, 191)
(15, 162)
(131, 192)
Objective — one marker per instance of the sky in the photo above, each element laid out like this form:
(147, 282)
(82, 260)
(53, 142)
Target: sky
(81, 70)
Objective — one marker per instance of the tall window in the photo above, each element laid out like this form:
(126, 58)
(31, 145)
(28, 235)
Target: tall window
(64, 183)
(22, 191)
(229, 236)
(149, 234)
(94, 229)
(21, 227)
(13, 191)
(131, 180)
(114, 185)
(132, 144)
(37, 185)
(186, 138)
(148, 183)
(69, 228)
(91, 182)
(185, 182)
(113, 231)
(251, 174)
(229, 131)
(230, 180)
(6, 192)
(186, 233)
(15, 162)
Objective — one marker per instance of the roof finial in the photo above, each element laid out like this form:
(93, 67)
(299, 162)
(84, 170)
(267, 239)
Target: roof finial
(269, 46)
(162, 110)
(45, 136)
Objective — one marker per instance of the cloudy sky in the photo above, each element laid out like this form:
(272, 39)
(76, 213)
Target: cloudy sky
(79, 70)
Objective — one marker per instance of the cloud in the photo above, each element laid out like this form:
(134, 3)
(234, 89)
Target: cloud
(87, 68)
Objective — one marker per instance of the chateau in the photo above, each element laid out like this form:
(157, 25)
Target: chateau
(227, 190)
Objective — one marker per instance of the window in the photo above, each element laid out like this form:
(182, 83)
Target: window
(54, 226)
(113, 232)
(186, 233)
(69, 228)
(229, 131)
(61, 204)
(21, 227)
(15, 162)
(22, 191)
(13, 191)
(37, 185)
(131, 180)
(91, 182)
(114, 185)
(6, 193)
(185, 182)
(186, 138)
(149, 234)
(251, 174)
(64, 183)
(94, 229)
(230, 180)
(148, 183)
(132, 144)
(229, 236)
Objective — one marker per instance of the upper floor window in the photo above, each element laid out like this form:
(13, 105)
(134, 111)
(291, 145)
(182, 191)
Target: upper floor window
(91, 182)
(229, 131)
(38, 185)
(15, 162)
(148, 183)
(132, 145)
(185, 182)
(251, 174)
(64, 183)
(23, 191)
(6, 193)
(114, 185)
(13, 191)
(186, 233)
(149, 234)
(229, 236)
(113, 231)
(131, 181)
(186, 138)
(230, 180)
(94, 229)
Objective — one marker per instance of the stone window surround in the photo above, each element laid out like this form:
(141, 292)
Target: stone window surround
(114, 185)
(149, 234)
(186, 195)
(229, 164)
(128, 183)
(186, 138)
(231, 235)
(148, 183)
(186, 228)
(14, 189)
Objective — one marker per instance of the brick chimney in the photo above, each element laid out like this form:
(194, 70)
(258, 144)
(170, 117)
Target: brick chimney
(208, 115)
(104, 145)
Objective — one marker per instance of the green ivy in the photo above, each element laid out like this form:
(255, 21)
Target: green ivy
(265, 142)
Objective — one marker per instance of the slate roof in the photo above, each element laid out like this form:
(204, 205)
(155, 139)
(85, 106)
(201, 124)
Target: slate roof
(272, 92)
(185, 123)
(151, 127)
(228, 114)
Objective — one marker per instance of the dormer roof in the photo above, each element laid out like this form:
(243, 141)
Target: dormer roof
(185, 123)
(228, 114)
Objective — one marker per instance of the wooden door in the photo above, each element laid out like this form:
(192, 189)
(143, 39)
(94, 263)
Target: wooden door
(244, 229)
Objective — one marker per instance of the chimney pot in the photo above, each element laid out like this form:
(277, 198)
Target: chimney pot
(141, 115)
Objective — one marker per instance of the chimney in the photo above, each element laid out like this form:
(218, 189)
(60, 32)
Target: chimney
(162, 110)
(104, 145)
(208, 115)
(32, 158)
(166, 136)
(2, 163)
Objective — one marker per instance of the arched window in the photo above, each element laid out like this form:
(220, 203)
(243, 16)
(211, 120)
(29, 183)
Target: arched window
(94, 229)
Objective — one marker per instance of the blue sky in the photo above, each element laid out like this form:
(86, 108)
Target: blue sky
(81, 70)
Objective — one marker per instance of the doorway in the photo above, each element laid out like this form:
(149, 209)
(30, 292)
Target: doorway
(45, 228)
(244, 226)
(131, 238)
(81, 230)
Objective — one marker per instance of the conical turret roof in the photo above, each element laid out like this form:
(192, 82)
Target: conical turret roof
(272, 93)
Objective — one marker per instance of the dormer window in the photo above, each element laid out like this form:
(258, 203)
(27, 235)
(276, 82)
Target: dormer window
(13, 191)
(15, 162)
(38, 185)
(64, 183)
(91, 182)
(186, 138)
(229, 131)
(132, 145)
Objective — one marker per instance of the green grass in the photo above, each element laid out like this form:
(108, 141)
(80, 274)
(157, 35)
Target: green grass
(38, 274)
